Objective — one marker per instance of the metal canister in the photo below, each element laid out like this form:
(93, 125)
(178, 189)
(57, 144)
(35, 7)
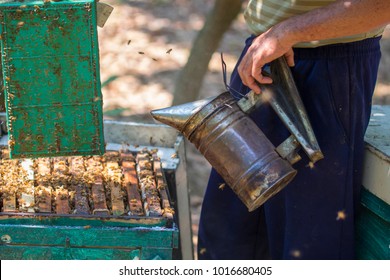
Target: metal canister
(233, 144)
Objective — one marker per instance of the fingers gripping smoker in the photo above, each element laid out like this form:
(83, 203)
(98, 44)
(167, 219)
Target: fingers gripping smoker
(238, 150)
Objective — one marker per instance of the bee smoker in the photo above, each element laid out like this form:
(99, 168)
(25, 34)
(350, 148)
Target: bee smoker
(228, 138)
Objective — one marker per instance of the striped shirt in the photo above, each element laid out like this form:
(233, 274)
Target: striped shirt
(260, 15)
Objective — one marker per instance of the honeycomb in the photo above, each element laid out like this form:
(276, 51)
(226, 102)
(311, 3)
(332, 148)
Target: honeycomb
(119, 183)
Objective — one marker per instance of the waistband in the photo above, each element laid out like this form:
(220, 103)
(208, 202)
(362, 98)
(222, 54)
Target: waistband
(355, 49)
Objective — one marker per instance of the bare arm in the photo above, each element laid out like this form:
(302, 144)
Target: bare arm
(342, 18)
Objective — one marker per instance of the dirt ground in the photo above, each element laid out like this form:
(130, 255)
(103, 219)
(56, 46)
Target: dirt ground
(143, 46)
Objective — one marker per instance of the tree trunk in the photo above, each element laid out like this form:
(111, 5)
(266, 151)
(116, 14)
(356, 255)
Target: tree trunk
(206, 42)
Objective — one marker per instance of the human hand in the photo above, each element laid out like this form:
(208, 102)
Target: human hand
(264, 49)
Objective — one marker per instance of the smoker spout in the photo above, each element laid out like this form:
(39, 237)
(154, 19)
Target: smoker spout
(177, 116)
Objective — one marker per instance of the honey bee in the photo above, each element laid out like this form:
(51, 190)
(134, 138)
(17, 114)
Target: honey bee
(341, 215)
(310, 165)
(202, 251)
(20, 24)
(296, 253)
(141, 53)
(169, 51)
(222, 186)
(169, 210)
(11, 143)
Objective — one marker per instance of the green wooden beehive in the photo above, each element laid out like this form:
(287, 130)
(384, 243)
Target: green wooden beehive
(50, 67)
(373, 219)
(373, 228)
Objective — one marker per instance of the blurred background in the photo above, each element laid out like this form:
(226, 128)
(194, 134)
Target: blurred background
(145, 45)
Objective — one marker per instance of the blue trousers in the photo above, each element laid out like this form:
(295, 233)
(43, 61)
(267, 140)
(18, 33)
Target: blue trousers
(312, 217)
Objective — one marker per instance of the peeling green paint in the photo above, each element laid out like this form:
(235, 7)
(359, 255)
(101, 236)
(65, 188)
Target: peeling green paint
(50, 63)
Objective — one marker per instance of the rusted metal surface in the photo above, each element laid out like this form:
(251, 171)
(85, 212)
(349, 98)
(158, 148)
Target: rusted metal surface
(284, 98)
(223, 133)
(233, 144)
(52, 87)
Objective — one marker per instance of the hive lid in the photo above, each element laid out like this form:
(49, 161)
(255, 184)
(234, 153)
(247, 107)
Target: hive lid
(51, 74)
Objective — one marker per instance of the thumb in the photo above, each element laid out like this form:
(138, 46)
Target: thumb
(289, 55)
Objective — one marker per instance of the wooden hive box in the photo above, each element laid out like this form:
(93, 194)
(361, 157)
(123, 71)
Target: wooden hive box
(95, 228)
(373, 224)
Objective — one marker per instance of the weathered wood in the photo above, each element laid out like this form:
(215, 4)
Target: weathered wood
(60, 182)
(9, 172)
(99, 198)
(43, 199)
(62, 201)
(9, 202)
(168, 211)
(88, 243)
(27, 201)
(147, 182)
(130, 182)
(76, 171)
(27, 195)
(113, 179)
(43, 194)
(43, 173)
(95, 168)
(117, 204)
(94, 185)
(81, 200)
